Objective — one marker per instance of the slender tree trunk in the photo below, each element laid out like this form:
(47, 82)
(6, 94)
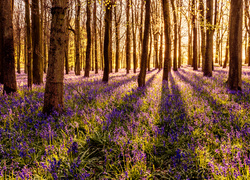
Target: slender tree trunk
(180, 36)
(175, 35)
(195, 38)
(45, 40)
(107, 43)
(25, 53)
(161, 50)
(117, 37)
(95, 34)
(88, 50)
(235, 45)
(29, 48)
(134, 40)
(209, 40)
(19, 51)
(53, 97)
(77, 38)
(128, 46)
(167, 58)
(227, 54)
(150, 47)
(36, 43)
(111, 46)
(142, 74)
(203, 33)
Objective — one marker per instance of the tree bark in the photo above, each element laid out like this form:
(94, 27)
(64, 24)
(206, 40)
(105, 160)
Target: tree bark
(88, 50)
(167, 58)
(142, 74)
(209, 40)
(128, 46)
(29, 48)
(235, 45)
(175, 35)
(53, 97)
(203, 33)
(117, 37)
(180, 36)
(7, 50)
(134, 40)
(195, 44)
(107, 43)
(95, 34)
(36, 43)
(77, 37)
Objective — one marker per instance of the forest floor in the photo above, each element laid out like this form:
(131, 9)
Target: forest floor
(191, 128)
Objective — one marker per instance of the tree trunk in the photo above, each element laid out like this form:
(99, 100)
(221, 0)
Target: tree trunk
(88, 50)
(227, 53)
(128, 47)
(180, 36)
(95, 34)
(110, 41)
(175, 35)
(29, 48)
(209, 40)
(203, 33)
(142, 74)
(150, 48)
(107, 43)
(167, 58)
(195, 44)
(7, 50)
(36, 43)
(53, 97)
(77, 38)
(117, 37)
(134, 40)
(235, 45)
(161, 50)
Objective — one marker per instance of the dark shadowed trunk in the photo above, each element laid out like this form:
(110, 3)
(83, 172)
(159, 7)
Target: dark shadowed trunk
(88, 50)
(7, 45)
(77, 38)
(107, 43)
(209, 40)
(142, 74)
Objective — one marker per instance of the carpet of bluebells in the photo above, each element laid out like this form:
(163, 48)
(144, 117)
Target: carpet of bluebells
(190, 128)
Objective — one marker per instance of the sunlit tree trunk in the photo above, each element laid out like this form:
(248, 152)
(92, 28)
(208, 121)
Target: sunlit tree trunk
(142, 74)
(227, 54)
(167, 58)
(53, 97)
(95, 34)
(128, 46)
(235, 45)
(203, 32)
(175, 35)
(179, 35)
(7, 47)
(117, 37)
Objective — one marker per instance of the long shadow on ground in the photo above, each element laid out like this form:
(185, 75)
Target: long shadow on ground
(178, 149)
